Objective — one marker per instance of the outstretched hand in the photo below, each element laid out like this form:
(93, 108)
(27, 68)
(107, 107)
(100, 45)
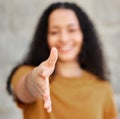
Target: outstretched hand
(46, 68)
(39, 83)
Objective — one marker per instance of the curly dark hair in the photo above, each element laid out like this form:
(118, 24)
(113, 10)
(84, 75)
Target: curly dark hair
(91, 57)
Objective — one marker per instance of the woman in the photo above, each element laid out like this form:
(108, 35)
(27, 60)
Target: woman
(71, 83)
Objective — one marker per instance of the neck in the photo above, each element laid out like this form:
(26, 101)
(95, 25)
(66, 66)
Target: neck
(68, 69)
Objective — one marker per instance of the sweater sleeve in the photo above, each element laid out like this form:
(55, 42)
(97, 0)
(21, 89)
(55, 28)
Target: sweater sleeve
(110, 111)
(20, 72)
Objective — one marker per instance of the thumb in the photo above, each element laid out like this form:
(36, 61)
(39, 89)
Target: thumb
(53, 57)
(50, 63)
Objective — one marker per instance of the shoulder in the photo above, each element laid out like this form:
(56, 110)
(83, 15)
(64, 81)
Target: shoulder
(24, 68)
(99, 84)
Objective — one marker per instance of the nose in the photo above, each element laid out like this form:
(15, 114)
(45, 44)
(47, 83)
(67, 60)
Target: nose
(64, 37)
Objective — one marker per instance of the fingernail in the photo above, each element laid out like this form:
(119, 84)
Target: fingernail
(49, 109)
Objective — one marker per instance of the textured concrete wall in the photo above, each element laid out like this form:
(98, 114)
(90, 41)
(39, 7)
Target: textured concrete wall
(17, 22)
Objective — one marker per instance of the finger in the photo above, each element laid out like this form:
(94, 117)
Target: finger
(49, 64)
(46, 97)
(46, 72)
(53, 57)
(45, 88)
(47, 104)
(49, 109)
(43, 70)
(46, 68)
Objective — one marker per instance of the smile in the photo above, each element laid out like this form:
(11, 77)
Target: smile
(65, 48)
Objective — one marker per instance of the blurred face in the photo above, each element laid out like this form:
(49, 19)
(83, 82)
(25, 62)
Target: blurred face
(65, 34)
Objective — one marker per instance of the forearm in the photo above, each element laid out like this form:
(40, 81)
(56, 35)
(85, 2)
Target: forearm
(21, 91)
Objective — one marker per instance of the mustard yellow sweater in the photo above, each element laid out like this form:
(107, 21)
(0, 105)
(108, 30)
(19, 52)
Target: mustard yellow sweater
(83, 97)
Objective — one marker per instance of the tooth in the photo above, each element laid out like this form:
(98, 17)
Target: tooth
(65, 48)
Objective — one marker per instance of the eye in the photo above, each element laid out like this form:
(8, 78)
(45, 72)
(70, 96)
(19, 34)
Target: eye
(53, 32)
(72, 30)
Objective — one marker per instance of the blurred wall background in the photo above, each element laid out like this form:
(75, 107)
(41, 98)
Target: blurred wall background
(18, 19)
